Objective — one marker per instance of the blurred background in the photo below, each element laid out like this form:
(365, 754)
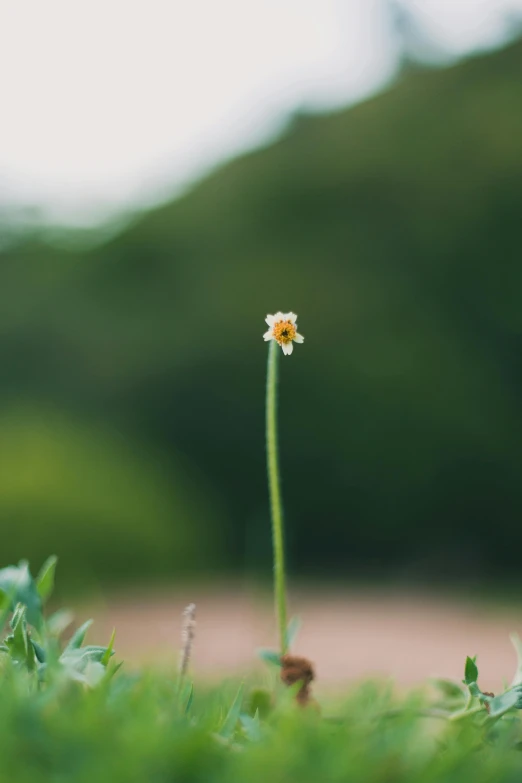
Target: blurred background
(171, 172)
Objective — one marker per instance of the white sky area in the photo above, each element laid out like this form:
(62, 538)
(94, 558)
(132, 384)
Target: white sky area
(112, 104)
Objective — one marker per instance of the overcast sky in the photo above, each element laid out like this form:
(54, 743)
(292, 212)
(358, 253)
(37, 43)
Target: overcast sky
(108, 104)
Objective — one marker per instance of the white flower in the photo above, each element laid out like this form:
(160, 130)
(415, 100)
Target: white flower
(283, 329)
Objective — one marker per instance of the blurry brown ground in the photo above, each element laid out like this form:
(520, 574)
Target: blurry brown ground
(347, 634)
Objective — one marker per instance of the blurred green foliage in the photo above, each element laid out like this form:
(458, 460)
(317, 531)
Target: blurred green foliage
(393, 230)
(130, 730)
(119, 512)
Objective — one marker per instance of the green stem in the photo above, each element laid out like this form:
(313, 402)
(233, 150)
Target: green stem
(275, 493)
(464, 713)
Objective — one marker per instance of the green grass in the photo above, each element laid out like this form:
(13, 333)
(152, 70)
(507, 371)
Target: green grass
(68, 713)
(132, 730)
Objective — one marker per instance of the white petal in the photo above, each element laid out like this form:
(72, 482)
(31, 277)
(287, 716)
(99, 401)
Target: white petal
(279, 316)
(267, 335)
(298, 338)
(270, 319)
(290, 317)
(287, 348)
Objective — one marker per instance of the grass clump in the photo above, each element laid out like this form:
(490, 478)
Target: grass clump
(68, 714)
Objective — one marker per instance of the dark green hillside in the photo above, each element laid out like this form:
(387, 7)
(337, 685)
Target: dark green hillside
(393, 229)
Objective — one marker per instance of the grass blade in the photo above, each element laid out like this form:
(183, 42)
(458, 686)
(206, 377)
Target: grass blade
(45, 578)
(230, 722)
(110, 649)
(76, 640)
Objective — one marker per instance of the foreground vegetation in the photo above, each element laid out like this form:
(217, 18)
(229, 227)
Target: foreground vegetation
(69, 714)
(132, 731)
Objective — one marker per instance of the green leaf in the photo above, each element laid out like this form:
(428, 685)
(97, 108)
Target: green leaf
(94, 674)
(59, 621)
(45, 578)
(251, 726)
(230, 722)
(260, 701)
(17, 640)
(78, 658)
(270, 656)
(476, 692)
(78, 636)
(449, 688)
(189, 698)
(17, 582)
(91, 675)
(39, 651)
(112, 669)
(19, 616)
(292, 630)
(470, 671)
(110, 649)
(20, 649)
(517, 644)
(498, 705)
(6, 604)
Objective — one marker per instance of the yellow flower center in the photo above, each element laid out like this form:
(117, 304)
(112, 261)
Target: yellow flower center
(284, 332)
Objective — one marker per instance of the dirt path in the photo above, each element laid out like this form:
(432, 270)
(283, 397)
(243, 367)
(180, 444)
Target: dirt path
(347, 634)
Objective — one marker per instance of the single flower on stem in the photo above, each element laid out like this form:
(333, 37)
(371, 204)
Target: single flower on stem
(283, 332)
(283, 329)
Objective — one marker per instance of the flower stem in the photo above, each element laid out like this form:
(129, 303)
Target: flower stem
(464, 713)
(275, 493)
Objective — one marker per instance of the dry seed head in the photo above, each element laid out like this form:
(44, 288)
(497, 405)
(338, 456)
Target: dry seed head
(188, 629)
